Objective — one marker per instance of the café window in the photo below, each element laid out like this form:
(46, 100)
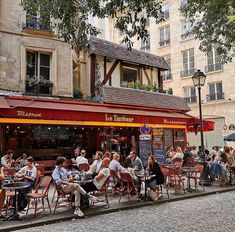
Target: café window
(130, 74)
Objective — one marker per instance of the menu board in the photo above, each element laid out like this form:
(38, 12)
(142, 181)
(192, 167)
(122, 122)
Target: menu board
(160, 155)
(145, 150)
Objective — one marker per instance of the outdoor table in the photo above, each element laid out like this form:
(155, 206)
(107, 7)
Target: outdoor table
(189, 171)
(82, 182)
(16, 186)
(146, 177)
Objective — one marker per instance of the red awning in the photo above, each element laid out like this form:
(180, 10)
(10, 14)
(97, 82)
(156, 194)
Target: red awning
(194, 125)
(3, 103)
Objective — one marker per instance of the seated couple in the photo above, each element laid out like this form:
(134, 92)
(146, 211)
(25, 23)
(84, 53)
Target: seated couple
(62, 178)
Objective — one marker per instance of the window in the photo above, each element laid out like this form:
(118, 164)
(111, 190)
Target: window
(145, 45)
(186, 29)
(147, 22)
(37, 21)
(38, 72)
(165, 11)
(213, 61)
(166, 75)
(188, 63)
(215, 92)
(130, 74)
(190, 94)
(165, 36)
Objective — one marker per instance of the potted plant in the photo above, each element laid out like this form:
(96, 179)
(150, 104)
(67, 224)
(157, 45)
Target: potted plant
(31, 84)
(45, 82)
(78, 94)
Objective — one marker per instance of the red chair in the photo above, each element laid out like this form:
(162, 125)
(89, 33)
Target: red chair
(127, 185)
(41, 193)
(84, 167)
(113, 179)
(197, 176)
(165, 172)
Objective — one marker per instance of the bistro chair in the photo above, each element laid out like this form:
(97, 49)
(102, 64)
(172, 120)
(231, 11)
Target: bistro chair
(114, 180)
(165, 172)
(41, 193)
(175, 178)
(10, 172)
(197, 176)
(61, 195)
(104, 192)
(128, 185)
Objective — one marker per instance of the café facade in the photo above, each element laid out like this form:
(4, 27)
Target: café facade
(46, 128)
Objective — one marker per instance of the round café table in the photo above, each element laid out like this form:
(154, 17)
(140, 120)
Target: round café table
(15, 186)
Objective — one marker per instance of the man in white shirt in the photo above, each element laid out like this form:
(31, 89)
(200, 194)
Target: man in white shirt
(81, 158)
(100, 179)
(98, 160)
(114, 164)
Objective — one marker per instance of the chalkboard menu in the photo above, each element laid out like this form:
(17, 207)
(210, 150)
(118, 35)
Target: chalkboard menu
(145, 149)
(160, 155)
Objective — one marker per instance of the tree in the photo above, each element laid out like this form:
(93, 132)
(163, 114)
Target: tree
(70, 17)
(213, 24)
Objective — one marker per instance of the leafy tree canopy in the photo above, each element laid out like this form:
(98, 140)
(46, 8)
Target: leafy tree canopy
(214, 24)
(70, 17)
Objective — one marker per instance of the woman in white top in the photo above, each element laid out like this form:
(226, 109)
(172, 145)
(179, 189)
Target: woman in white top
(178, 154)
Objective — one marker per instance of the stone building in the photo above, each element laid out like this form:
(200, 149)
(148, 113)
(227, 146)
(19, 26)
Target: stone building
(172, 40)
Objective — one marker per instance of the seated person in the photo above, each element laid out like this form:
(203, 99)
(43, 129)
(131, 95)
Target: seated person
(29, 173)
(114, 164)
(107, 154)
(62, 178)
(81, 158)
(136, 161)
(98, 160)
(7, 160)
(2, 191)
(178, 154)
(100, 179)
(22, 160)
(76, 154)
(154, 169)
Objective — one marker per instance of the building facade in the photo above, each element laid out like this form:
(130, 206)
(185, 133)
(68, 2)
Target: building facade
(172, 40)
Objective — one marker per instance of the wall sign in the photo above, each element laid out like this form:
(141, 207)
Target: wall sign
(144, 130)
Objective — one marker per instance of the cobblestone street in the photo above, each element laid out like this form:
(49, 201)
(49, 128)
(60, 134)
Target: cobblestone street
(211, 213)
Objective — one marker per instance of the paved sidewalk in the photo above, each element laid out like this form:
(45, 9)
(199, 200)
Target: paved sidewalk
(63, 214)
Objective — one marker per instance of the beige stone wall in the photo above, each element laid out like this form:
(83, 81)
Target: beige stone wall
(15, 42)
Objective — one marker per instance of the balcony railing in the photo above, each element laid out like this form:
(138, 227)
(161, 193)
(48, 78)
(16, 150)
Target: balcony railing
(144, 48)
(192, 99)
(37, 88)
(187, 35)
(164, 42)
(187, 72)
(215, 97)
(213, 67)
(37, 23)
(166, 76)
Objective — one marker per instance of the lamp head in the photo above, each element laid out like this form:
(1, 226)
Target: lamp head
(199, 78)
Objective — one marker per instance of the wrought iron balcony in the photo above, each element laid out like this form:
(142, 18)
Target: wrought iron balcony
(192, 99)
(34, 22)
(144, 48)
(166, 76)
(213, 67)
(187, 35)
(164, 42)
(187, 72)
(215, 97)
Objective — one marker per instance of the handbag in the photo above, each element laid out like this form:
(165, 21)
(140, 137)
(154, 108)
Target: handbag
(153, 195)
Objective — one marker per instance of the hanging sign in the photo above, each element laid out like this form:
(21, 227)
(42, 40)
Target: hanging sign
(144, 130)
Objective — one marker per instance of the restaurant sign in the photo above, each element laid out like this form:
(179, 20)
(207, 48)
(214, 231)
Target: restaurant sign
(118, 118)
(22, 113)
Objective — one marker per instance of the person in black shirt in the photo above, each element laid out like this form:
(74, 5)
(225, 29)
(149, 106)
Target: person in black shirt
(154, 169)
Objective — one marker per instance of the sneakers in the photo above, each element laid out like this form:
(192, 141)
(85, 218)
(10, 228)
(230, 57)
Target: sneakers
(78, 212)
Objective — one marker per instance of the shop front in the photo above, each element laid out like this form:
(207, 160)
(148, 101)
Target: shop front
(48, 128)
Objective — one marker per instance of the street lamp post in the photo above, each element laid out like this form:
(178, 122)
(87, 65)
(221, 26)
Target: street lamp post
(199, 79)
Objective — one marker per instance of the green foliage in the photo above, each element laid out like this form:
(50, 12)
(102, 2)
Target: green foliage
(138, 85)
(214, 24)
(78, 94)
(70, 17)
